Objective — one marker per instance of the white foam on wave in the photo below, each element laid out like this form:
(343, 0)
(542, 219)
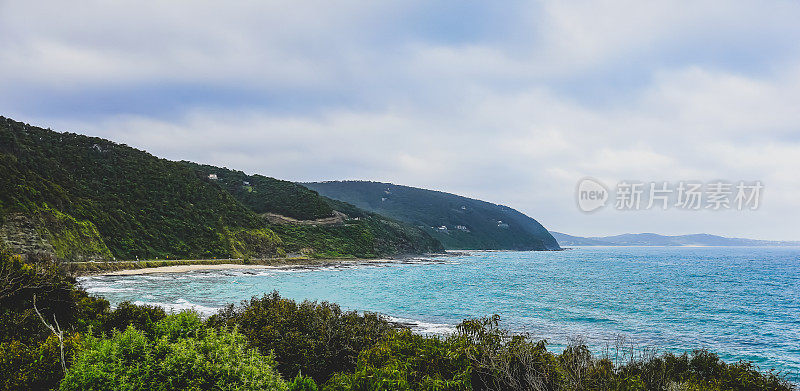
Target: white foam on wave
(425, 327)
(180, 305)
(264, 274)
(202, 275)
(104, 289)
(156, 277)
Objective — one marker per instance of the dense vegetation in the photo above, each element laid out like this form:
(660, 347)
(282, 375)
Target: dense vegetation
(75, 197)
(481, 356)
(268, 195)
(180, 354)
(367, 237)
(141, 206)
(266, 341)
(364, 234)
(316, 339)
(469, 223)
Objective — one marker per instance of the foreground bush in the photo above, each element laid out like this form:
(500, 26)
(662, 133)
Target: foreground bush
(407, 361)
(317, 339)
(30, 356)
(34, 365)
(504, 361)
(55, 297)
(142, 317)
(180, 355)
(700, 370)
(303, 383)
(482, 356)
(478, 356)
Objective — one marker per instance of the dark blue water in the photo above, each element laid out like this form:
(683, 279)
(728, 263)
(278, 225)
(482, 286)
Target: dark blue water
(741, 302)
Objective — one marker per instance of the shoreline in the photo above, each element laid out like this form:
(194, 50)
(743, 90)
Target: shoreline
(86, 269)
(126, 268)
(123, 268)
(179, 269)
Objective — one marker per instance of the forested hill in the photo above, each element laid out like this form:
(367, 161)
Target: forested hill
(268, 195)
(305, 220)
(81, 198)
(458, 222)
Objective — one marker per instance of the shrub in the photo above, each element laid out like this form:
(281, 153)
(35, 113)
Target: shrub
(19, 282)
(29, 353)
(185, 324)
(481, 356)
(34, 366)
(303, 383)
(318, 339)
(700, 370)
(179, 356)
(501, 360)
(142, 317)
(407, 361)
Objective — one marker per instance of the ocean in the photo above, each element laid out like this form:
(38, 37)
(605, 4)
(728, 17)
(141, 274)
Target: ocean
(739, 302)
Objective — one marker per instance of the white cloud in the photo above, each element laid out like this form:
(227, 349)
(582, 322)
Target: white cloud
(616, 90)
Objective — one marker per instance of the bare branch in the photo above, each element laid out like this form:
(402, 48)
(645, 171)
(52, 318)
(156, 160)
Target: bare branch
(55, 330)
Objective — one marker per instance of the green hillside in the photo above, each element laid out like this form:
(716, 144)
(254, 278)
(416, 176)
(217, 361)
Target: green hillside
(352, 231)
(75, 197)
(268, 195)
(458, 222)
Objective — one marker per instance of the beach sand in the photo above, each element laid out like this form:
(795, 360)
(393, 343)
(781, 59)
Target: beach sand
(182, 269)
(131, 268)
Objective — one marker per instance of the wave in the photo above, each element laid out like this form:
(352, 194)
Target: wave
(180, 305)
(424, 327)
(105, 289)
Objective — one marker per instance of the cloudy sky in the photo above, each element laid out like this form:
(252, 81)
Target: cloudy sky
(510, 102)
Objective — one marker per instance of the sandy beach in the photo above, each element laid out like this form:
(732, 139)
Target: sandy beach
(151, 267)
(182, 269)
(222, 266)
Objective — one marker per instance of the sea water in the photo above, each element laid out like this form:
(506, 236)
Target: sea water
(740, 302)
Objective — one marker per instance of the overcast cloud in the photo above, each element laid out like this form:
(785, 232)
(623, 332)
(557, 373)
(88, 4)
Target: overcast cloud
(509, 102)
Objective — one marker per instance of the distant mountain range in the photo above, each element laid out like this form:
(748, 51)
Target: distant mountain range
(651, 239)
(457, 222)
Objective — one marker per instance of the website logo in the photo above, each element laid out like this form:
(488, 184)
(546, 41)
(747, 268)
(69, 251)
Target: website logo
(592, 195)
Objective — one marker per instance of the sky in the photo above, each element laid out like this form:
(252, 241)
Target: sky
(509, 102)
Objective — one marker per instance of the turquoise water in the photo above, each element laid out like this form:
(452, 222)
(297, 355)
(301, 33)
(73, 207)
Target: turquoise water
(741, 302)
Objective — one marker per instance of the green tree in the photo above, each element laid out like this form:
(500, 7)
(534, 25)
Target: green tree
(317, 339)
(181, 355)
